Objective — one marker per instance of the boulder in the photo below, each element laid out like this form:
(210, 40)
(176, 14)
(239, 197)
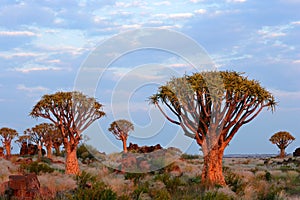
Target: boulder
(297, 152)
(1, 152)
(23, 187)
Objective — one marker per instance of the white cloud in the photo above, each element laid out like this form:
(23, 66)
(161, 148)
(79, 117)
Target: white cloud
(162, 3)
(32, 89)
(9, 55)
(286, 94)
(196, 1)
(236, 1)
(200, 11)
(296, 61)
(35, 68)
(17, 33)
(176, 16)
(296, 23)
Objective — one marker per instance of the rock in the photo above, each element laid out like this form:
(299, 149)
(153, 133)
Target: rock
(1, 152)
(24, 149)
(23, 187)
(297, 152)
(144, 149)
(30, 149)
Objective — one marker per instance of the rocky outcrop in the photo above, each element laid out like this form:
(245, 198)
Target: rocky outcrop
(23, 187)
(143, 149)
(1, 152)
(30, 149)
(297, 152)
(142, 159)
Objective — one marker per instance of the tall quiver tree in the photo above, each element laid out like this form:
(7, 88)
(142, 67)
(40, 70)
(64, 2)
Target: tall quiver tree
(72, 113)
(8, 134)
(210, 107)
(120, 129)
(282, 139)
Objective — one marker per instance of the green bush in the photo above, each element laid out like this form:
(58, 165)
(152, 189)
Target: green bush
(214, 195)
(189, 156)
(268, 176)
(142, 188)
(36, 167)
(136, 177)
(233, 181)
(171, 183)
(89, 188)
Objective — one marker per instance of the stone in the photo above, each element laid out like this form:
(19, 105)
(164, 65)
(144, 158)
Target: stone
(23, 187)
(1, 152)
(297, 152)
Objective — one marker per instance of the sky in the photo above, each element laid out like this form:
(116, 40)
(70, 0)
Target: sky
(45, 45)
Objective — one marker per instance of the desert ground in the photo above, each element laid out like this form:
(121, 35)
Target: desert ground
(177, 176)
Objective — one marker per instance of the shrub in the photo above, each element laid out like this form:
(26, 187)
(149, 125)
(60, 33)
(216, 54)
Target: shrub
(189, 156)
(171, 183)
(233, 180)
(36, 167)
(268, 176)
(214, 195)
(90, 188)
(136, 177)
(141, 189)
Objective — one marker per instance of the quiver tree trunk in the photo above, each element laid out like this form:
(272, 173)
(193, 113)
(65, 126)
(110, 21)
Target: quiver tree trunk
(71, 166)
(282, 153)
(7, 149)
(49, 150)
(57, 149)
(212, 171)
(39, 152)
(124, 146)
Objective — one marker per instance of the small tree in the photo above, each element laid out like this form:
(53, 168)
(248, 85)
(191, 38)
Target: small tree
(72, 113)
(8, 135)
(57, 141)
(42, 135)
(120, 129)
(282, 139)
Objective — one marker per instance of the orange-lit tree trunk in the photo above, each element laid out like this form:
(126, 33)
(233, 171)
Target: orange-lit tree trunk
(39, 152)
(7, 147)
(212, 171)
(56, 147)
(124, 146)
(72, 166)
(49, 149)
(282, 153)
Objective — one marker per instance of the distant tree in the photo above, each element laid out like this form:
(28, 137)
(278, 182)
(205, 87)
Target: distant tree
(42, 135)
(211, 107)
(282, 139)
(21, 139)
(8, 135)
(72, 113)
(120, 129)
(57, 141)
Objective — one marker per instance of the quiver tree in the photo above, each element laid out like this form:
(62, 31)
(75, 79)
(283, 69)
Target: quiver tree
(57, 141)
(42, 135)
(210, 107)
(72, 113)
(282, 139)
(120, 129)
(8, 135)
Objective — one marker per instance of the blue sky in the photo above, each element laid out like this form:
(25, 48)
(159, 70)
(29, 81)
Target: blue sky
(44, 43)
